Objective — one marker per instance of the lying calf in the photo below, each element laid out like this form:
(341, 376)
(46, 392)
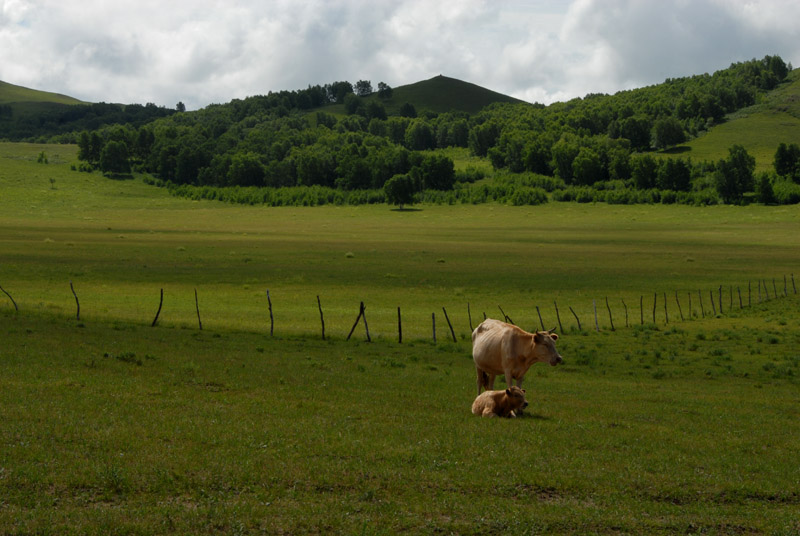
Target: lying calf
(500, 403)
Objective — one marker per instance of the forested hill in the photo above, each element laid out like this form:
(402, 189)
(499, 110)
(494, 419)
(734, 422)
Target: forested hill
(443, 94)
(33, 115)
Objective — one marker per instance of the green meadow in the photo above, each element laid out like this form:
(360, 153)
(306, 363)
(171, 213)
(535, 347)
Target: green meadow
(111, 426)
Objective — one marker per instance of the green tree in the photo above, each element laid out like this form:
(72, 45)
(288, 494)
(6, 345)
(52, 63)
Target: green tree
(419, 136)
(644, 169)
(114, 158)
(734, 175)
(352, 103)
(435, 172)
(564, 152)
(408, 110)
(363, 88)
(674, 174)
(587, 168)
(384, 91)
(246, 170)
(399, 190)
(787, 161)
(764, 192)
(667, 132)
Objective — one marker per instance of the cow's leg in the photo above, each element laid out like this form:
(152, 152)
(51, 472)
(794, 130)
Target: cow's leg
(483, 379)
(490, 384)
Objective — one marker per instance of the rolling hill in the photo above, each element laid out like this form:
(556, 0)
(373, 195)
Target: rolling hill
(443, 94)
(9, 93)
(759, 128)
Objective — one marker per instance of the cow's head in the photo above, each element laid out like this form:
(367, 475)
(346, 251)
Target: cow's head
(544, 347)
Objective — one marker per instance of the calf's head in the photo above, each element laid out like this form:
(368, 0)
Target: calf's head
(516, 398)
(544, 347)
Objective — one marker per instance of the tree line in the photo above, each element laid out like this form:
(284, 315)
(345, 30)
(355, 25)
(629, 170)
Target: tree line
(600, 142)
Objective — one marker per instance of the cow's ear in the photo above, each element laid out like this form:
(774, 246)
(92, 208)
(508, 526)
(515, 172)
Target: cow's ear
(554, 336)
(508, 392)
(537, 338)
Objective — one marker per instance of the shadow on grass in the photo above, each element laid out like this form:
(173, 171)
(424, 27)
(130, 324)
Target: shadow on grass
(534, 416)
(677, 150)
(406, 209)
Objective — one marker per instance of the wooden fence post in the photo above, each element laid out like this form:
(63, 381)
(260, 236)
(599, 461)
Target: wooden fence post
(596, 325)
(271, 319)
(505, 316)
(739, 290)
(399, 327)
(610, 319)
(785, 292)
(774, 289)
(558, 317)
(321, 318)
(655, 300)
(720, 299)
(713, 306)
(197, 307)
(626, 314)
(680, 311)
(641, 309)
(702, 309)
(578, 320)
(77, 303)
(433, 321)
(541, 322)
(160, 303)
(469, 315)
(360, 314)
(666, 314)
(17, 308)
(364, 318)
(794, 288)
(453, 333)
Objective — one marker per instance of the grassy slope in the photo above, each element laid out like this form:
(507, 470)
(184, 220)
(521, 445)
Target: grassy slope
(759, 128)
(110, 426)
(9, 93)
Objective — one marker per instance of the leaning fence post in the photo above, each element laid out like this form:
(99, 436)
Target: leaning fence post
(360, 313)
(680, 311)
(197, 307)
(626, 313)
(610, 319)
(321, 318)
(739, 290)
(17, 308)
(794, 288)
(469, 315)
(78, 314)
(271, 319)
(160, 303)
(453, 333)
(713, 307)
(596, 325)
(505, 316)
(578, 320)
(666, 314)
(541, 322)
(774, 289)
(558, 316)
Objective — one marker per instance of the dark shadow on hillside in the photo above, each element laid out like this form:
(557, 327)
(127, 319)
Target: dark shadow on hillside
(119, 176)
(406, 209)
(677, 149)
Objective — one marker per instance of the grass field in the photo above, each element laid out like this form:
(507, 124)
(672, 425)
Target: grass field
(110, 426)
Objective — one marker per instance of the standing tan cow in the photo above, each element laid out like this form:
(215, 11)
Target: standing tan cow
(500, 348)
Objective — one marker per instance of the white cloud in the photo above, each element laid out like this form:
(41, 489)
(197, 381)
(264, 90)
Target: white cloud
(213, 51)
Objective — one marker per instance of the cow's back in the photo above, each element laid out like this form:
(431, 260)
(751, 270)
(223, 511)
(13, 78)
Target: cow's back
(488, 342)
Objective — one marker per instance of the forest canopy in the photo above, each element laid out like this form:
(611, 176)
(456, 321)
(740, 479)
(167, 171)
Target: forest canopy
(340, 136)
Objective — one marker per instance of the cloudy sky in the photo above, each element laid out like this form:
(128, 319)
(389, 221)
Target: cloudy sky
(211, 51)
